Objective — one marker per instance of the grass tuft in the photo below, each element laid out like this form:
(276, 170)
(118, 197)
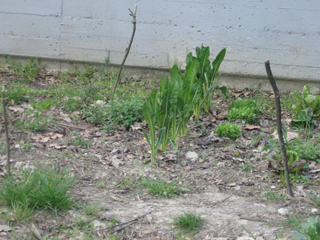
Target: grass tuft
(161, 188)
(189, 222)
(41, 188)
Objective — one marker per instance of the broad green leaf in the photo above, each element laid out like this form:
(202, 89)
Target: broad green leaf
(318, 228)
(191, 74)
(305, 91)
(217, 62)
(161, 136)
(300, 236)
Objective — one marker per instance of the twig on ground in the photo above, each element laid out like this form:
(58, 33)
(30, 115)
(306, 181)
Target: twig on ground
(279, 126)
(128, 223)
(133, 14)
(6, 130)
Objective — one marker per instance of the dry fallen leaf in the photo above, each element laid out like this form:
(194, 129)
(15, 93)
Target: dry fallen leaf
(136, 126)
(251, 127)
(5, 228)
(290, 135)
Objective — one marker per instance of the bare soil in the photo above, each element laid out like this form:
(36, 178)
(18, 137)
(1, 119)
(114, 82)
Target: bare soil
(228, 185)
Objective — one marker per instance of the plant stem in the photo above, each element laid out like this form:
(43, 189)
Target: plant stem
(279, 126)
(133, 14)
(6, 130)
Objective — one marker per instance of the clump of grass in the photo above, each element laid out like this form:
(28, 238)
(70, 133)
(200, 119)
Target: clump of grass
(41, 188)
(92, 210)
(28, 71)
(229, 130)
(188, 222)
(20, 212)
(43, 105)
(244, 110)
(81, 142)
(270, 195)
(161, 188)
(36, 122)
(17, 92)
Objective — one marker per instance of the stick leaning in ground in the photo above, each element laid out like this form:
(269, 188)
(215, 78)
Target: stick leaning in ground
(134, 22)
(6, 130)
(279, 126)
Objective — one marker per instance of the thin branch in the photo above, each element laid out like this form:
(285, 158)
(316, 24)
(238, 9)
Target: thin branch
(133, 14)
(279, 126)
(6, 130)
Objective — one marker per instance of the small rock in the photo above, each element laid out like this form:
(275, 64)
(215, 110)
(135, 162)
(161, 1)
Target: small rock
(192, 155)
(205, 166)
(283, 211)
(98, 225)
(237, 188)
(314, 210)
(100, 102)
(183, 163)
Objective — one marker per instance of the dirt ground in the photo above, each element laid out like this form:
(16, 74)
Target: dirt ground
(230, 199)
(230, 184)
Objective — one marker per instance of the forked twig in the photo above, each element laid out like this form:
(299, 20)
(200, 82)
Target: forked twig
(6, 130)
(133, 14)
(279, 126)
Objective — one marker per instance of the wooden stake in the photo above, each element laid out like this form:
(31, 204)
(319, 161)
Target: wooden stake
(6, 130)
(279, 126)
(133, 14)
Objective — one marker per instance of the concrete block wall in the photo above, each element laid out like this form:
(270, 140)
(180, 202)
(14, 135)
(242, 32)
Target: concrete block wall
(286, 32)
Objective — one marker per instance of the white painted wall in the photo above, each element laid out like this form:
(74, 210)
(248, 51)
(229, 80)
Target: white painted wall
(286, 32)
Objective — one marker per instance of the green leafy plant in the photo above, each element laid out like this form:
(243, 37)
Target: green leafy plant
(229, 130)
(170, 107)
(303, 119)
(188, 222)
(125, 112)
(294, 162)
(161, 188)
(95, 113)
(309, 230)
(150, 114)
(307, 101)
(181, 102)
(41, 188)
(202, 82)
(308, 149)
(244, 110)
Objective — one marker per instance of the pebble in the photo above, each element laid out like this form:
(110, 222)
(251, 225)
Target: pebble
(192, 155)
(283, 211)
(314, 210)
